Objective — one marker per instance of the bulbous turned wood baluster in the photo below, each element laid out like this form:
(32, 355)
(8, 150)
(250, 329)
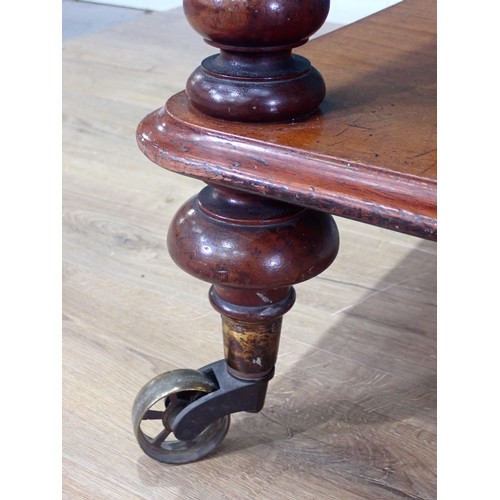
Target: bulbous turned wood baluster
(256, 78)
(252, 250)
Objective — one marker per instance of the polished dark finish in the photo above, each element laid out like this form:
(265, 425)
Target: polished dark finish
(256, 23)
(226, 237)
(368, 153)
(256, 78)
(252, 249)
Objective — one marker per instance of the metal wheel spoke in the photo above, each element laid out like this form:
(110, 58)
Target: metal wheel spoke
(153, 415)
(158, 440)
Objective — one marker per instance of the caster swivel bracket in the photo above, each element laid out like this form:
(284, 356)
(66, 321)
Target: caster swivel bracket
(232, 395)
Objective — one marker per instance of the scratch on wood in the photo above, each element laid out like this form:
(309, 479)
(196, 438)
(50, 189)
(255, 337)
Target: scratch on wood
(286, 426)
(423, 154)
(262, 162)
(396, 491)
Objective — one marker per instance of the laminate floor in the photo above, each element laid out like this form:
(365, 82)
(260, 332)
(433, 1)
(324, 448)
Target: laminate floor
(351, 412)
(81, 18)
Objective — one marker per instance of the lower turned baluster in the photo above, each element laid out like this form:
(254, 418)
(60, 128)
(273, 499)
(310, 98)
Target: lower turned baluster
(252, 250)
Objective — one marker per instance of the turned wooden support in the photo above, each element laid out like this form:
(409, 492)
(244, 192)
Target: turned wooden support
(256, 78)
(252, 250)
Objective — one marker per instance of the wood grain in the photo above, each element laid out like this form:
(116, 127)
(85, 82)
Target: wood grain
(373, 140)
(351, 412)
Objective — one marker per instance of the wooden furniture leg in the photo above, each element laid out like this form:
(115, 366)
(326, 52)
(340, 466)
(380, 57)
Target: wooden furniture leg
(251, 249)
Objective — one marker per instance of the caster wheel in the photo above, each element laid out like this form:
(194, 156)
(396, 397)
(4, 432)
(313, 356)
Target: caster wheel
(157, 405)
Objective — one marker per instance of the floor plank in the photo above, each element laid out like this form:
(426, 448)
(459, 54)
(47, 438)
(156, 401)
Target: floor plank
(351, 412)
(80, 18)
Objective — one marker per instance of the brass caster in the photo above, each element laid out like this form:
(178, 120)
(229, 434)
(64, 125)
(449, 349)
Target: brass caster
(158, 404)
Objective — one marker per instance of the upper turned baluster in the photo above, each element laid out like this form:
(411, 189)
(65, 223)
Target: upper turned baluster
(256, 78)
